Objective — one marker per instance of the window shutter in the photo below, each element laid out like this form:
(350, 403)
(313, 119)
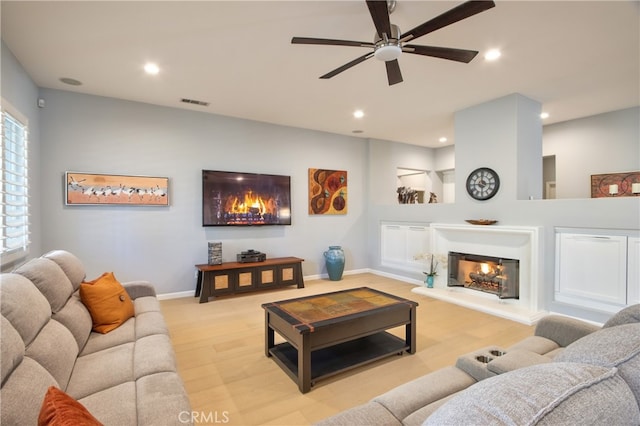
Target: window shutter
(14, 188)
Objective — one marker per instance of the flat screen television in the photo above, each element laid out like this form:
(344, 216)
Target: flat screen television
(245, 199)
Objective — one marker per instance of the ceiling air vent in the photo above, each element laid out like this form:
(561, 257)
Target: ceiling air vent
(194, 102)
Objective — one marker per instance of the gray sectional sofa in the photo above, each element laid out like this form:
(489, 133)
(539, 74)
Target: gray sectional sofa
(125, 377)
(568, 373)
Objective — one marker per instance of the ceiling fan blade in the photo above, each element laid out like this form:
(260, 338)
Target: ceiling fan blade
(459, 55)
(393, 72)
(380, 15)
(330, 42)
(458, 13)
(347, 65)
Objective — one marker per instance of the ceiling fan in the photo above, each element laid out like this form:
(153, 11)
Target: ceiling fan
(389, 43)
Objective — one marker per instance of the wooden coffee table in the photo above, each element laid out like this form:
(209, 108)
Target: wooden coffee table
(334, 332)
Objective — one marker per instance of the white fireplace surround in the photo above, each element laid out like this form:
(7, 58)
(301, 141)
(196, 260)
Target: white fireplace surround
(513, 242)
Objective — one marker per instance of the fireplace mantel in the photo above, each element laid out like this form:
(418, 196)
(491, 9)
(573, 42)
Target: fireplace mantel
(513, 242)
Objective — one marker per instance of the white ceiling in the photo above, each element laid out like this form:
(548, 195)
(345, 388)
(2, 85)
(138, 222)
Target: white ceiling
(577, 58)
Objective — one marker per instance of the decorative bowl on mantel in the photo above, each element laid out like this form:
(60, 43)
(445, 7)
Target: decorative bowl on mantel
(481, 221)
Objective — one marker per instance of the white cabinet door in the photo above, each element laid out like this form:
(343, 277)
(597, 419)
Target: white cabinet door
(401, 244)
(591, 270)
(393, 241)
(633, 271)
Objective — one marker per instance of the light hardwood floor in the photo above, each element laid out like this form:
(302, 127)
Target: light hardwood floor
(220, 352)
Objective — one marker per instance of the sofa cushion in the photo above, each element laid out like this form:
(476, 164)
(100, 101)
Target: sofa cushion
(153, 354)
(22, 393)
(115, 366)
(121, 335)
(108, 302)
(70, 264)
(59, 409)
(27, 318)
(629, 315)
(554, 353)
(420, 392)
(553, 393)
(162, 400)
(419, 416)
(50, 279)
(122, 396)
(617, 346)
(149, 323)
(11, 349)
(55, 349)
(76, 318)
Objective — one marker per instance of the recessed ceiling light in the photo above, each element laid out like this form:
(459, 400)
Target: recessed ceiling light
(357, 131)
(544, 115)
(492, 55)
(358, 113)
(71, 81)
(151, 68)
(442, 139)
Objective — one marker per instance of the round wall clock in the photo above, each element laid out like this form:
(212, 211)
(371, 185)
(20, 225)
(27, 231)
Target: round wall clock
(483, 183)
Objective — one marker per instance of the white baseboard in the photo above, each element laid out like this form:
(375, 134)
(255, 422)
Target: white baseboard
(396, 277)
(178, 295)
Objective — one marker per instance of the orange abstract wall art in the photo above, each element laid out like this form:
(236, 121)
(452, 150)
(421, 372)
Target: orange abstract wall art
(327, 191)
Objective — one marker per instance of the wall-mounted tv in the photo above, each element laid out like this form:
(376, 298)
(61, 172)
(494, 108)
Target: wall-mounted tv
(245, 199)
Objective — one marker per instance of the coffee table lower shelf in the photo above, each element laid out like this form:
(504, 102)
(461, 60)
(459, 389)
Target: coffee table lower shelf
(332, 360)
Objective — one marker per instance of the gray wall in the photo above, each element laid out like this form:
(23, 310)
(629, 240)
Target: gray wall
(162, 244)
(604, 143)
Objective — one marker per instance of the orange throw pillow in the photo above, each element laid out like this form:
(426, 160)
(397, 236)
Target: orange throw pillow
(59, 409)
(108, 302)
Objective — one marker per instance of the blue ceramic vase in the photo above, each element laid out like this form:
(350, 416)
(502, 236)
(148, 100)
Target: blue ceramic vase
(334, 260)
(429, 281)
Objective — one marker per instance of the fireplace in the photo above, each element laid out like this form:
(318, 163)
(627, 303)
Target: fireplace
(498, 241)
(493, 275)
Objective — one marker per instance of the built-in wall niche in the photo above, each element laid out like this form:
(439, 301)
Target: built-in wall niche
(424, 186)
(413, 186)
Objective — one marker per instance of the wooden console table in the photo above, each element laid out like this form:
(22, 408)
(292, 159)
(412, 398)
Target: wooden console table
(235, 277)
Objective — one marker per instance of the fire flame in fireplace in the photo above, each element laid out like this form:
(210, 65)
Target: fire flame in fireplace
(250, 203)
(484, 268)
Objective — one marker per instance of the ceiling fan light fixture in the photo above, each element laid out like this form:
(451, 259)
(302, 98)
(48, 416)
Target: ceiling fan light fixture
(388, 52)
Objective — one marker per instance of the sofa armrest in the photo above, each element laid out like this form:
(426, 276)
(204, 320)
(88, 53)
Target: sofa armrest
(409, 397)
(137, 289)
(563, 330)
